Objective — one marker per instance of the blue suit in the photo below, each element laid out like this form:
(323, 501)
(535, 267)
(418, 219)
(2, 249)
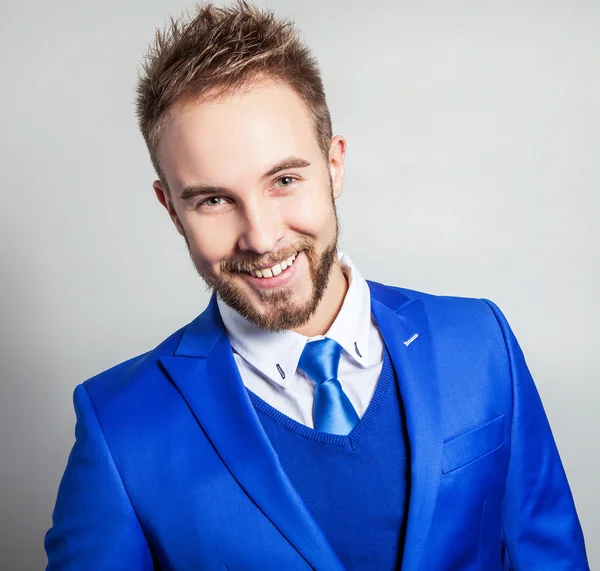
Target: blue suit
(171, 468)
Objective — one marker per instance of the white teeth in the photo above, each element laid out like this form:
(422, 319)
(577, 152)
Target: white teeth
(275, 270)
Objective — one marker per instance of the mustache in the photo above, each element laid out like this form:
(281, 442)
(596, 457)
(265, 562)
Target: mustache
(247, 264)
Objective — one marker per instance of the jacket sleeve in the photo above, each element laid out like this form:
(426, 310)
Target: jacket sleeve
(94, 526)
(540, 525)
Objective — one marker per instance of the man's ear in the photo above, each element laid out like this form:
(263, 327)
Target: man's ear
(163, 197)
(337, 152)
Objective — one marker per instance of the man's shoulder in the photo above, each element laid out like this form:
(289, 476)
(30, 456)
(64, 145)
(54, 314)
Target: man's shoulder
(447, 314)
(399, 297)
(133, 375)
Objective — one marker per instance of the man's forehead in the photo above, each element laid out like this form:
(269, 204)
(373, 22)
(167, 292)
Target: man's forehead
(242, 135)
(263, 103)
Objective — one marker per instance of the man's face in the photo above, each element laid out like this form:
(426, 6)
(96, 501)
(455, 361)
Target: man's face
(253, 196)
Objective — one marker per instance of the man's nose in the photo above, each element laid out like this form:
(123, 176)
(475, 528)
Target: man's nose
(262, 228)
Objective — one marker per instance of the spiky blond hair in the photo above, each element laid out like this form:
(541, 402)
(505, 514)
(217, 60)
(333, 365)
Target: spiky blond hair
(218, 50)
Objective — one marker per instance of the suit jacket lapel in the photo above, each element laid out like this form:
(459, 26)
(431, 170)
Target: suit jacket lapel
(206, 375)
(405, 330)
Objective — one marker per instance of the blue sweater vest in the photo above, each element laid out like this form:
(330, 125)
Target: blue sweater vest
(355, 486)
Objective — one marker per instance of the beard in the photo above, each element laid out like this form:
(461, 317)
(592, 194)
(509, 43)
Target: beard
(280, 310)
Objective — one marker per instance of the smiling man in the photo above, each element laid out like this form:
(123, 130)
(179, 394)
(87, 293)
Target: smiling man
(307, 419)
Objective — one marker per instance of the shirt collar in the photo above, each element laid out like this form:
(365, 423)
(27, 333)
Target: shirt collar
(276, 354)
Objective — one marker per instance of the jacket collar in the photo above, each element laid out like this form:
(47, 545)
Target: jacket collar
(204, 370)
(202, 334)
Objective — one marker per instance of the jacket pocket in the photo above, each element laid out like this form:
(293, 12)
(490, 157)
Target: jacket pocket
(471, 446)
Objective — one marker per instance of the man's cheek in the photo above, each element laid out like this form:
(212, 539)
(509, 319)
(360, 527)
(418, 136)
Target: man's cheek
(308, 218)
(211, 249)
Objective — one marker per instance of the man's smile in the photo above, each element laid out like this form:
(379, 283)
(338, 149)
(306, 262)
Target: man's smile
(275, 270)
(278, 275)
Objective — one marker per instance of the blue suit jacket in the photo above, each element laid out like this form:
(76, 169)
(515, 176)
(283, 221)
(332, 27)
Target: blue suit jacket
(171, 468)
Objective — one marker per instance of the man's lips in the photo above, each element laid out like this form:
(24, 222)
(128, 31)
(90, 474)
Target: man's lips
(275, 269)
(281, 278)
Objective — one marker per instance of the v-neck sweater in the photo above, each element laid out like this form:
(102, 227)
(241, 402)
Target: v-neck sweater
(355, 486)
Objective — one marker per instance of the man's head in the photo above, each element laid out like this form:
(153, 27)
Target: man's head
(232, 108)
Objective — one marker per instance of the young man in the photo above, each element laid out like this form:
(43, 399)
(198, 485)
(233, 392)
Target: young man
(307, 419)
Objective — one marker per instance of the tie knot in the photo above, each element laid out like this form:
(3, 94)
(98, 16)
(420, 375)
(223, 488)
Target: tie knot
(320, 360)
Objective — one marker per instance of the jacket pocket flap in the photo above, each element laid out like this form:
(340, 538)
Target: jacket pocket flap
(468, 447)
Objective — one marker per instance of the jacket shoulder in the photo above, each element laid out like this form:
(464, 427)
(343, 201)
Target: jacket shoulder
(127, 377)
(399, 297)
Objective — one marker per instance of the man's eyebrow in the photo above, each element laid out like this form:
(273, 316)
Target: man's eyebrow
(288, 163)
(207, 190)
(201, 190)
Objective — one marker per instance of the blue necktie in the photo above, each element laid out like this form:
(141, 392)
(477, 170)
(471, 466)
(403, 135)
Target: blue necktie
(332, 412)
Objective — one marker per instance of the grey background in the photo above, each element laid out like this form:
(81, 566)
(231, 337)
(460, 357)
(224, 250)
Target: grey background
(472, 169)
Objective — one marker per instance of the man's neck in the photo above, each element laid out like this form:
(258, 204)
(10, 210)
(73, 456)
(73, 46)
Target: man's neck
(330, 304)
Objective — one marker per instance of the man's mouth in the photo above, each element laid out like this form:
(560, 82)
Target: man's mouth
(273, 271)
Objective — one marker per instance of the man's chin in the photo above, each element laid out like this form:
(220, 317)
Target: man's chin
(277, 311)
(287, 318)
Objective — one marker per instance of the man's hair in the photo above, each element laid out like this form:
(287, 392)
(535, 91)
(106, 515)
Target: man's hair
(218, 51)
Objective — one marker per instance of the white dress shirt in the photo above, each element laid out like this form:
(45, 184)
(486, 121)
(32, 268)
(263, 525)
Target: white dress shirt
(268, 361)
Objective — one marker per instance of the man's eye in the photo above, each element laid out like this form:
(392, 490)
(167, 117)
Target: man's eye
(213, 201)
(284, 181)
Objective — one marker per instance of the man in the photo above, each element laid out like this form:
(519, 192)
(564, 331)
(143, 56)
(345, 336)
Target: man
(307, 419)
